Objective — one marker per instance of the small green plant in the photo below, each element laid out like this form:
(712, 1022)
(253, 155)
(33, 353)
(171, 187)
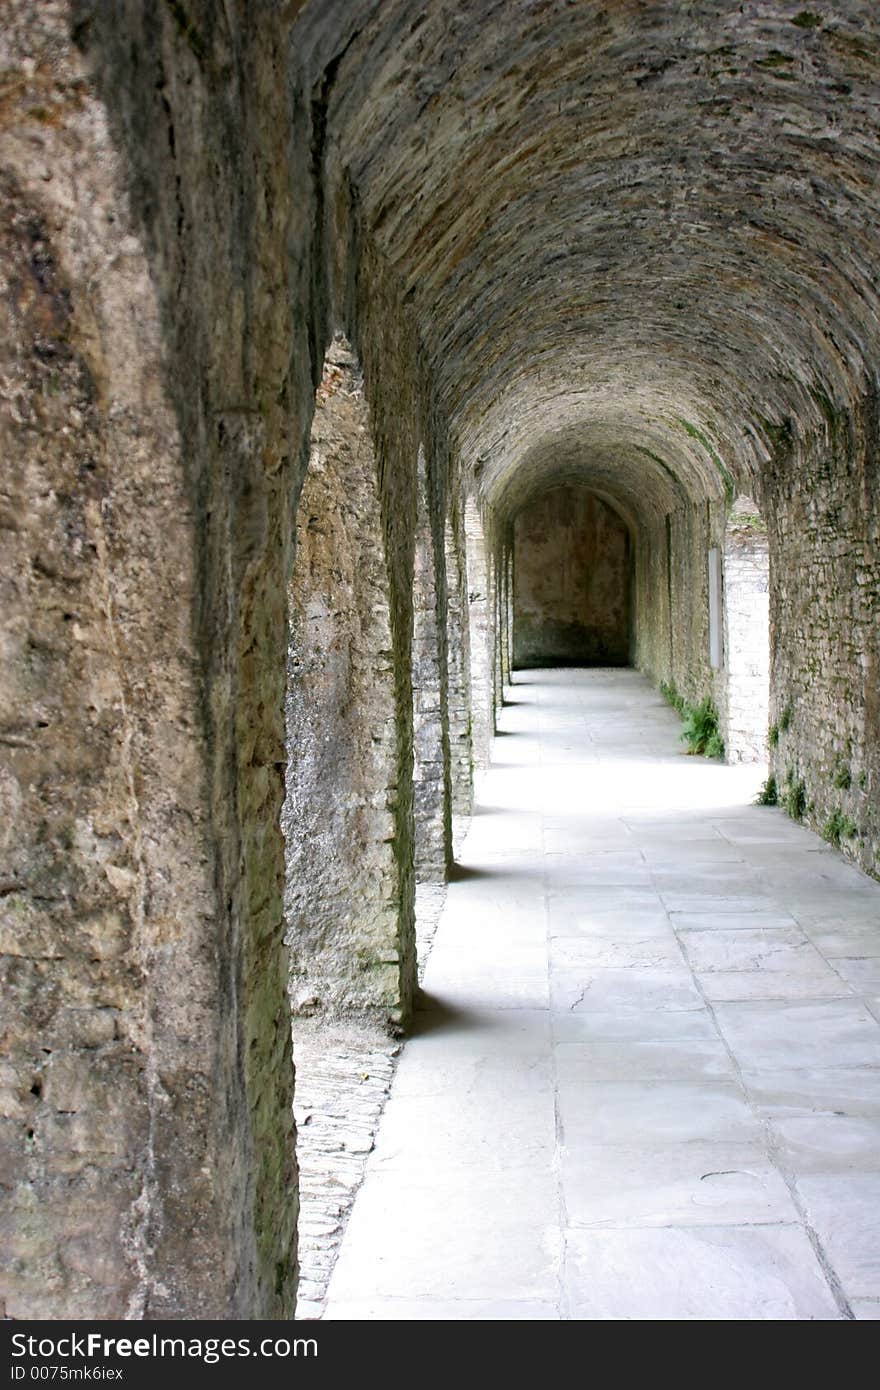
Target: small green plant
(807, 19)
(769, 793)
(700, 731)
(863, 780)
(714, 746)
(842, 778)
(795, 798)
(746, 523)
(773, 735)
(785, 719)
(670, 694)
(839, 827)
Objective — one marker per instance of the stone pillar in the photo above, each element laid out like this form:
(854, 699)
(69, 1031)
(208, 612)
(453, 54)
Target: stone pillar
(430, 809)
(481, 626)
(458, 648)
(342, 890)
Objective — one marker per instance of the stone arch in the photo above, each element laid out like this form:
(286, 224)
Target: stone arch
(342, 893)
(745, 686)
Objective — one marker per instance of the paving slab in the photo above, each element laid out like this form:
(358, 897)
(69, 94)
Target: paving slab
(688, 1184)
(865, 1309)
(611, 989)
(820, 982)
(644, 1059)
(655, 1113)
(452, 1234)
(434, 1310)
(842, 1209)
(636, 1025)
(607, 950)
(820, 1143)
(834, 1032)
(815, 1090)
(739, 1274)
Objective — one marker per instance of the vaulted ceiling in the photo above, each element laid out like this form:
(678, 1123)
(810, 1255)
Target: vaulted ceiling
(637, 238)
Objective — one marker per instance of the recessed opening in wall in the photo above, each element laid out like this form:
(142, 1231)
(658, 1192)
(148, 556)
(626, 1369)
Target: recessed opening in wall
(746, 640)
(571, 581)
(342, 883)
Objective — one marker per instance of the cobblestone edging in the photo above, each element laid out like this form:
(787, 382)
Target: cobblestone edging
(344, 1072)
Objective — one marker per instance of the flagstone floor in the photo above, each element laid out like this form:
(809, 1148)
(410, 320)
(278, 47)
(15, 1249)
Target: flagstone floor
(644, 1081)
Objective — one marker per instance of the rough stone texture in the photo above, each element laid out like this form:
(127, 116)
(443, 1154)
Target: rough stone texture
(344, 1072)
(823, 508)
(638, 245)
(744, 713)
(632, 246)
(342, 885)
(163, 519)
(571, 582)
(482, 629)
(458, 648)
(149, 1130)
(431, 758)
(343, 1076)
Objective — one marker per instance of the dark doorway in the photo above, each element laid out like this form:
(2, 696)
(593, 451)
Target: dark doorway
(571, 593)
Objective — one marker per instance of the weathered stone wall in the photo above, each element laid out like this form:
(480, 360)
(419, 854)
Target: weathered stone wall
(529, 279)
(745, 699)
(430, 716)
(822, 504)
(212, 153)
(481, 627)
(342, 882)
(458, 648)
(671, 600)
(571, 581)
(652, 599)
(150, 1118)
(507, 613)
(387, 348)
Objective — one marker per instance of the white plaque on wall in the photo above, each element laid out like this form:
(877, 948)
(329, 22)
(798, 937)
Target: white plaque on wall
(715, 623)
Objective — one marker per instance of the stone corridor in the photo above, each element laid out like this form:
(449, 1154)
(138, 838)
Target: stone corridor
(364, 363)
(644, 1081)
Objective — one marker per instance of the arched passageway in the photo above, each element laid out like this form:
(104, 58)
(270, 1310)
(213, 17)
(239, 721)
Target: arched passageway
(513, 248)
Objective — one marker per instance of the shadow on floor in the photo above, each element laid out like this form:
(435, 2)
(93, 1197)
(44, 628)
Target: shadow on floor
(464, 873)
(434, 1015)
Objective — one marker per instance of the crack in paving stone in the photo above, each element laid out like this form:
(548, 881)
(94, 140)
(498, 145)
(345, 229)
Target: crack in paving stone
(580, 999)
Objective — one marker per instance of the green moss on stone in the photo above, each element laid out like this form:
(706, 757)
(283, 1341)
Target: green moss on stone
(795, 797)
(838, 827)
(724, 474)
(807, 19)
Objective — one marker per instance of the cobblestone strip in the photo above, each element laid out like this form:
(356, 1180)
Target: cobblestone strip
(344, 1072)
